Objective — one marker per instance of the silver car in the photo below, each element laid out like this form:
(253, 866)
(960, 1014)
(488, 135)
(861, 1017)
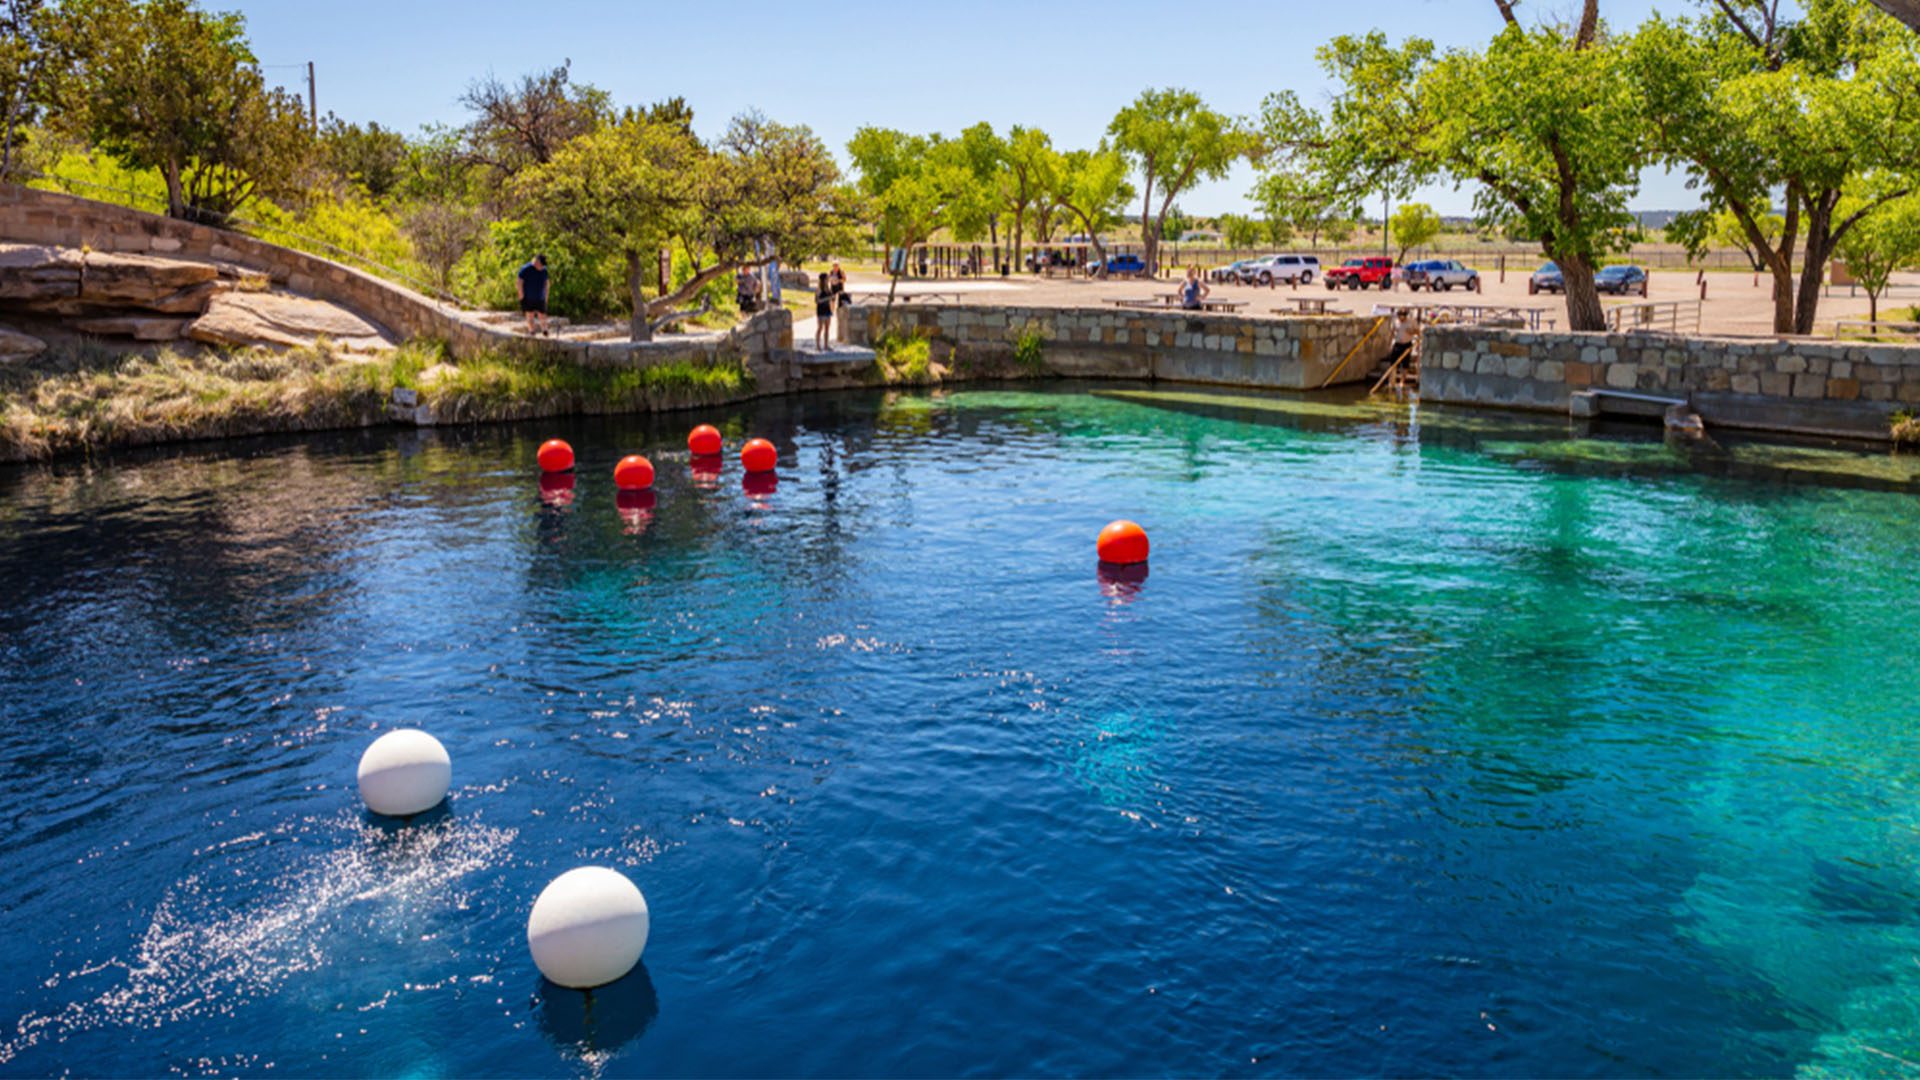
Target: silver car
(1281, 268)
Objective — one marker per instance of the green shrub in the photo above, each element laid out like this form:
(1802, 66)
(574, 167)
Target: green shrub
(1028, 352)
(904, 357)
(1906, 429)
(329, 224)
(584, 285)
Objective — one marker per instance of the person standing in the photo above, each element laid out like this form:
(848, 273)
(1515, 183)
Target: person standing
(822, 314)
(531, 283)
(837, 278)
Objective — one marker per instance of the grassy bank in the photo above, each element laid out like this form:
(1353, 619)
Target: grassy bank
(81, 398)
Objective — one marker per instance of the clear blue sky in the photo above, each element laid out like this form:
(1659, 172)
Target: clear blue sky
(1063, 65)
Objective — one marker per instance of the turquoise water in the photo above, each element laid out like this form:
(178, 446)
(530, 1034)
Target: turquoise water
(1431, 743)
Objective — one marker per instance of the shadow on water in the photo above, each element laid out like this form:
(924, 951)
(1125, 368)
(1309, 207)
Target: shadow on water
(593, 1025)
(394, 830)
(1542, 441)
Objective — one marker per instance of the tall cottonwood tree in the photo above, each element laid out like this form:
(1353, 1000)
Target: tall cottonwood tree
(1174, 140)
(1031, 163)
(1751, 104)
(1543, 120)
(916, 185)
(1092, 186)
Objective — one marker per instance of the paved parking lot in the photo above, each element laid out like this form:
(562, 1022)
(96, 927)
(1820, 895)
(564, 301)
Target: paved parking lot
(1735, 303)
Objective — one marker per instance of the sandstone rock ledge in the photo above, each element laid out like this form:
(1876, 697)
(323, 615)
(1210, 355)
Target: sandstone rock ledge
(237, 318)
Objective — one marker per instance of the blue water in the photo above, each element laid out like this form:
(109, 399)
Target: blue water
(1431, 743)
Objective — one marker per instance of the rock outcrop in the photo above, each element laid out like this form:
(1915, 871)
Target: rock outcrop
(16, 346)
(237, 318)
(156, 298)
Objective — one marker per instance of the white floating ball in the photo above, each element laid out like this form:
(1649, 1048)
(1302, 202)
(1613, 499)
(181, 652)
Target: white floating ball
(588, 927)
(405, 772)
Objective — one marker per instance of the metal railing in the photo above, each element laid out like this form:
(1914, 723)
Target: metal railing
(1659, 316)
(1876, 330)
(308, 244)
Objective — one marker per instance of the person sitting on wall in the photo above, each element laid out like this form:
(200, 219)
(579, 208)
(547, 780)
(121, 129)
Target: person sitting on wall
(1194, 292)
(531, 284)
(745, 293)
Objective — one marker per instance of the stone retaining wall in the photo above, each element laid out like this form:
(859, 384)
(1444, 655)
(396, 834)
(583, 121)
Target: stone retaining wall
(32, 216)
(1292, 354)
(1792, 385)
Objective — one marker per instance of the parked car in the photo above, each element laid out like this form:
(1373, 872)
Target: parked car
(1546, 279)
(1277, 268)
(1440, 275)
(1362, 273)
(1621, 280)
(1229, 272)
(1120, 265)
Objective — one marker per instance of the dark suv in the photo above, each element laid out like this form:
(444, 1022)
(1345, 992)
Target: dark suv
(1546, 279)
(1621, 280)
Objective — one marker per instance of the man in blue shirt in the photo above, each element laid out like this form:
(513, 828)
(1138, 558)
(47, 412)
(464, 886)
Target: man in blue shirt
(532, 285)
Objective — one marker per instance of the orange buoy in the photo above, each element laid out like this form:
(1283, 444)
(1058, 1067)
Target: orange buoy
(1122, 543)
(634, 473)
(555, 456)
(704, 441)
(759, 456)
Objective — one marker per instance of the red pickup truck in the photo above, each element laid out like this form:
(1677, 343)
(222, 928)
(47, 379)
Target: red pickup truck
(1362, 273)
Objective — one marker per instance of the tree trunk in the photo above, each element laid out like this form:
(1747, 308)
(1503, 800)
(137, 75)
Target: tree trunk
(1813, 272)
(1873, 307)
(1019, 212)
(1584, 312)
(176, 202)
(638, 327)
(1149, 243)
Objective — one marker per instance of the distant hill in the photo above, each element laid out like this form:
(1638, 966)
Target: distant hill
(1655, 219)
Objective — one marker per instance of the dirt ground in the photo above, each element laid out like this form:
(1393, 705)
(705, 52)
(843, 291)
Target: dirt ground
(1735, 303)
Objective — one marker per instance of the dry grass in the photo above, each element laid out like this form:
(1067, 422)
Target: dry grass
(78, 398)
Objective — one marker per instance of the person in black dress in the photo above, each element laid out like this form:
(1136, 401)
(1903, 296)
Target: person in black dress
(822, 313)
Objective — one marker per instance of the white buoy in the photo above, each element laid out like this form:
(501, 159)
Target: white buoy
(405, 772)
(588, 927)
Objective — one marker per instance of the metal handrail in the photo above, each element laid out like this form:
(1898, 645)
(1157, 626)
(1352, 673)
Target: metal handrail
(380, 269)
(1652, 316)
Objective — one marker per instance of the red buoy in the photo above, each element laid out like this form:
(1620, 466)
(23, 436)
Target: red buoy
(759, 456)
(1122, 543)
(555, 456)
(704, 441)
(634, 473)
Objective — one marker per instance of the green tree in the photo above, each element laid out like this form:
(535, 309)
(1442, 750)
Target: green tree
(1883, 242)
(1544, 121)
(1241, 231)
(1337, 230)
(1750, 103)
(372, 156)
(1032, 165)
(161, 84)
(1727, 230)
(1413, 225)
(1300, 202)
(1174, 139)
(768, 190)
(625, 187)
(916, 185)
(31, 58)
(1092, 186)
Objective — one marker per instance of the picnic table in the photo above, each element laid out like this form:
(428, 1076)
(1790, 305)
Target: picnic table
(1306, 305)
(1172, 300)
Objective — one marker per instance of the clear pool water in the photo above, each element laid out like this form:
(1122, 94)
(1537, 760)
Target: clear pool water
(1447, 743)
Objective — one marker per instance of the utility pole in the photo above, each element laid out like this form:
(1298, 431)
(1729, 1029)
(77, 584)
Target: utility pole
(313, 107)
